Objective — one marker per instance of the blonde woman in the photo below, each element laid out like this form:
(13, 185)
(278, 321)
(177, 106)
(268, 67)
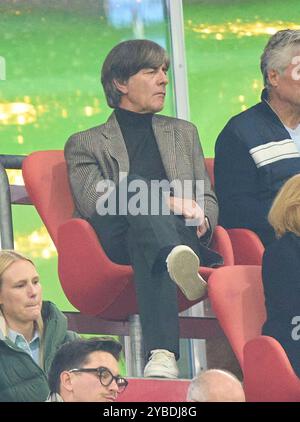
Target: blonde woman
(30, 331)
(281, 272)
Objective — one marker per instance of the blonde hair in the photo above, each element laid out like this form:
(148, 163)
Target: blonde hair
(7, 258)
(284, 214)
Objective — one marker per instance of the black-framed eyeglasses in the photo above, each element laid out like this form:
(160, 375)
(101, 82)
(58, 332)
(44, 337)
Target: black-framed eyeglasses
(105, 376)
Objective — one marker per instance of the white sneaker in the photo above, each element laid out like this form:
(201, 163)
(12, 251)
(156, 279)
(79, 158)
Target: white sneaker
(183, 265)
(162, 364)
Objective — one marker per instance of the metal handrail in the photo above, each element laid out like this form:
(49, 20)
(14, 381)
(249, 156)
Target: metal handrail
(6, 224)
(12, 161)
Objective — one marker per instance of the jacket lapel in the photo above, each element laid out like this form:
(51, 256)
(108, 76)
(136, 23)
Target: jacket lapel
(164, 134)
(116, 143)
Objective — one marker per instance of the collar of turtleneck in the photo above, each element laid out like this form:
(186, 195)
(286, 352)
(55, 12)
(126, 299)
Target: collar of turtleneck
(130, 118)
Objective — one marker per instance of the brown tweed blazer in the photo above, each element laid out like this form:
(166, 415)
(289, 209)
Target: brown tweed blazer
(100, 153)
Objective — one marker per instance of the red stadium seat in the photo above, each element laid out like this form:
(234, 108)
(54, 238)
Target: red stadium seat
(247, 247)
(154, 390)
(237, 299)
(93, 284)
(268, 374)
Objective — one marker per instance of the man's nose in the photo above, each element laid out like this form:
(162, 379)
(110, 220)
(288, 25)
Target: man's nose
(114, 386)
(163, 78)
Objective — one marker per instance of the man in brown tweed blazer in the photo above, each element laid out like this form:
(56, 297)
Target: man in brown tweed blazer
(114, 171)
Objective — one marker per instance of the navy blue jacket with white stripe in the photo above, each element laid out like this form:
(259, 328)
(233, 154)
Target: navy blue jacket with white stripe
(254, 156)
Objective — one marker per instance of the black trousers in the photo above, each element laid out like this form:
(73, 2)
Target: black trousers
(144, 241)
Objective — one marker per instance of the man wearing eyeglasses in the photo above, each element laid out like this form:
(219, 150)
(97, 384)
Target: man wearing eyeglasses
(86, 371)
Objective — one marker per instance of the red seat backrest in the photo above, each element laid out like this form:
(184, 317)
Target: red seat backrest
(46, 181)
(99, 286)
(268, 374)
(237, 298)
(247, 247)
(155, 390)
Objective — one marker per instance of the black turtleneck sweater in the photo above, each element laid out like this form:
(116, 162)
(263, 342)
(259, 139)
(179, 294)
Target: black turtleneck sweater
(141, 145)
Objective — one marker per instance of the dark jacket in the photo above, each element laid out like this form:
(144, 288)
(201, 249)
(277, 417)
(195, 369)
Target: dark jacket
(254, 156)
(21, 379)
(281, 279)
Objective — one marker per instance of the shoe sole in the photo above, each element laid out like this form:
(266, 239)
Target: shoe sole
(158, 374)
(183, 265)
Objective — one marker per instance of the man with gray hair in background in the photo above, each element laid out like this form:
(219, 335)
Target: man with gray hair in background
(215, 385)
(259, 149)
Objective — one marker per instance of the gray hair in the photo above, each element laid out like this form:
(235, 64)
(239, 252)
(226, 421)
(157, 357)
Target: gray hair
(278, 52)
(215, 385)
(125, 60)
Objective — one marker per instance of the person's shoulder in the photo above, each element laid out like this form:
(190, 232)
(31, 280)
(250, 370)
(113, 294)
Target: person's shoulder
(174, 121)
(291, 240)
(280, 258)
(50, 310)
(286, 245)
(275, 245)
(92, 135)
(245, 118)
(241, 127)
(86, 134)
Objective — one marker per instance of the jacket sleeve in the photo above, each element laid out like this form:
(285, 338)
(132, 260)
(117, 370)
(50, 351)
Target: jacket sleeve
(71, 335)
(84, 173)
(237, 184)
(210, 200)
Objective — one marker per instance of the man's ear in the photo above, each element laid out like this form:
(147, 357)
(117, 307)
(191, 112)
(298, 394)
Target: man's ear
(121, 86)
(66, 381)
(273, 76)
